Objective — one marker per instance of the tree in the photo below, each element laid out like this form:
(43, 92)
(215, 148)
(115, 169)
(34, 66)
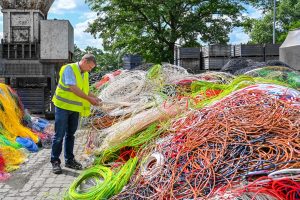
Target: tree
(287, 18)
(106, 61)
(151, 28)
(78, 53)
(260, 30)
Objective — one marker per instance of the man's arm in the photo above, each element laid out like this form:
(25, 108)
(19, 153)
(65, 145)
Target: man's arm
(92, 95)
(94, 101)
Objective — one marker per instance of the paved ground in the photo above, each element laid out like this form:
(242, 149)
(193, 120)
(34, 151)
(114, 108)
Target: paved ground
(35, 181)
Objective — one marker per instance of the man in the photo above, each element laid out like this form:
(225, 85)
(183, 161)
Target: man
(72, 99)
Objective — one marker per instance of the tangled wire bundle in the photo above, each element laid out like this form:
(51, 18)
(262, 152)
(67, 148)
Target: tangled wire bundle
(252, 131)
(282, 74)
(283, 184)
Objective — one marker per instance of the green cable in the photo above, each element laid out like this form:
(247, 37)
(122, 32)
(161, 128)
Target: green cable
(154, 72)
(200, 87)
(136, 141)
(111, 185)
(5, 142)
(96, 172)
(119, 180)
(291, 78)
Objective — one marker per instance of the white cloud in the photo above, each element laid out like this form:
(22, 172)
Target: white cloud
(238, 36)
(60, 6)
(253, 13)
(83, 39)
(89, 16)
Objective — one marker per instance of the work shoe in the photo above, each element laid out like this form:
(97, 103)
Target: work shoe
(56, 169)
(73, 164)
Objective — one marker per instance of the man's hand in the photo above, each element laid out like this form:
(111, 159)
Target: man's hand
(94, 101)
(91, 98)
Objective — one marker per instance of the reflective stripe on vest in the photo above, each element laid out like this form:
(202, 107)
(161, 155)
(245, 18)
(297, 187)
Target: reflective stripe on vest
(63, 88)
(68, 101)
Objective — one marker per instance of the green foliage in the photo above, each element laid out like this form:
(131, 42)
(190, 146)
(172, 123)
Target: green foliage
(287, 18)
(78, 53)
(151, 28)
(106, 61)
(260, 30)
(293, 26)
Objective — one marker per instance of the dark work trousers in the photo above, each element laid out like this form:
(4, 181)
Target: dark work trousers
(66, 123)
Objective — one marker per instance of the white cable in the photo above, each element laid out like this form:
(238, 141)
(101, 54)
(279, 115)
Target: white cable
(153, 166)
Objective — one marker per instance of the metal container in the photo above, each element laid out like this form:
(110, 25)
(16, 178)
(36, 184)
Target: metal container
(242, 50)
(131, 61)
(216, 51)
(214, 63)
(289, 51)
(272, 49)
(191, 65)
(57, 40)
(189, 53)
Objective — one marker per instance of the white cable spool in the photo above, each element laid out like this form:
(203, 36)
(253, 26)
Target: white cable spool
(153, 166)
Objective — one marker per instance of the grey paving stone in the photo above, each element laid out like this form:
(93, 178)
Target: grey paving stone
(2, 191)
(39, 183)
(54, 190)
(23, 194)
(14, 198)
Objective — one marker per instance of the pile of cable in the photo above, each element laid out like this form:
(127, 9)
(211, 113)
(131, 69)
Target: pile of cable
(14, 135)
(41, 127)
(209, 131)
(215, 77)
(253, 130)
(132, 101)
(283, 74)
(122, 130)
(11, 115)
(126, 94)
(282, 184)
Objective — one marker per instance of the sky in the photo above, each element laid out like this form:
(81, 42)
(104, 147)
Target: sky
(79, 15)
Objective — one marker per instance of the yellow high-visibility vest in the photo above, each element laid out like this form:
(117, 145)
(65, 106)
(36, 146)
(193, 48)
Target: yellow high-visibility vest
(66, 99)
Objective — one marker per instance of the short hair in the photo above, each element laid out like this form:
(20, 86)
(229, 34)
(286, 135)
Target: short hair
(90, 57)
